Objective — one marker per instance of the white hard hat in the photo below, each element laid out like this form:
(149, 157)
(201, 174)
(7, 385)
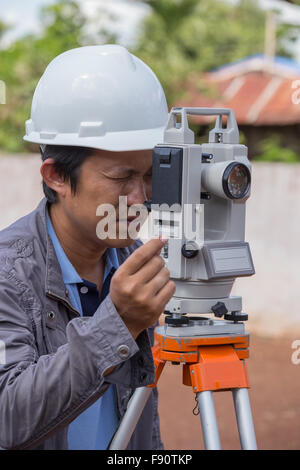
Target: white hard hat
(101, 97)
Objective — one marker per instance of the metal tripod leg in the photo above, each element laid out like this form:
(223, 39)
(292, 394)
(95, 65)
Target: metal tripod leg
(208, 421)
(127, 426)
(244, 418)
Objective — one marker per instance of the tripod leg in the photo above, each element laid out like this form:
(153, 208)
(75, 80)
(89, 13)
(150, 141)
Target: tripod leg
(208, 421)
(244, 418)
(127, 426)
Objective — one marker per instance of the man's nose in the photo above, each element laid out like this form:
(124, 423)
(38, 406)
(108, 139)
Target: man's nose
(138, 193)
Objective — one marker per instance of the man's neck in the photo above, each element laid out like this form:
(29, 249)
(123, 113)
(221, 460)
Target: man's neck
(87, 259)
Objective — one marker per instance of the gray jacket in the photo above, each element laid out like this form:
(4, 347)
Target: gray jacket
(52, 359)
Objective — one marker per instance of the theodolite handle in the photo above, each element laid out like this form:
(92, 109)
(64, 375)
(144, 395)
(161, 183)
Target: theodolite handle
(179, 132)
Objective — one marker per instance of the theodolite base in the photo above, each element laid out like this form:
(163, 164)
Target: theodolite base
(187, 305)
(203, 327)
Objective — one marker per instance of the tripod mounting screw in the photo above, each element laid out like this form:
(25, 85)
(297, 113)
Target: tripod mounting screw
(219, 309)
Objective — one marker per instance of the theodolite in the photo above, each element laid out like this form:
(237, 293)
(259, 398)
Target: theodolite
(198, 202)
(206, 187)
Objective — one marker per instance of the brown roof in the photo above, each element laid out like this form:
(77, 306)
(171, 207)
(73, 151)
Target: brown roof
(259, 92)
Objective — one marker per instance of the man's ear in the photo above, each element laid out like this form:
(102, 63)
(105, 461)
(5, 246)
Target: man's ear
(52, 178)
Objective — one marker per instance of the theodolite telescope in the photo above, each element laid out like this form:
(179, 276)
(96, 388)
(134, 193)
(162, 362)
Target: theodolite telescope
(206, 187)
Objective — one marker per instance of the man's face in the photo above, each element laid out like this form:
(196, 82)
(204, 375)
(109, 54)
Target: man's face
(103, 178)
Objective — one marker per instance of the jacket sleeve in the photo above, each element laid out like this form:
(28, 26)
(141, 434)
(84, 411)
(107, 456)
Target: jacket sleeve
(157, 443)
(41, 394)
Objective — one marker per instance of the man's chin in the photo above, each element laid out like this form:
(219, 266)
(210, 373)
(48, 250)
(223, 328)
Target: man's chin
(122, 243)
(122, 235)
(119, 242)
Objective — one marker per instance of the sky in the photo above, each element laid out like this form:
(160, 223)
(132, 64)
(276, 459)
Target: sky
(24, 14)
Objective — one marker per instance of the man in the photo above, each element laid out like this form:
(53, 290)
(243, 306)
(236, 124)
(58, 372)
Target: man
(78, 309)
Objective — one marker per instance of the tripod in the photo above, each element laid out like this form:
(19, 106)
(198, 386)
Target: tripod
(213, 354)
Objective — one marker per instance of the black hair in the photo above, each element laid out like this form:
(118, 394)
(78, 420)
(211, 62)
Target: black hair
(67, 163)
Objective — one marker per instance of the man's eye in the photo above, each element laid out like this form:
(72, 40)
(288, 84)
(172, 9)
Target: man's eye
(123, 178)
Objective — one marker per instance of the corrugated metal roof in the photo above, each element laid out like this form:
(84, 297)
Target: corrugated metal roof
(260, 92)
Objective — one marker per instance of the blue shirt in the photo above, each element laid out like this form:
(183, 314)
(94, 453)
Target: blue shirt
(94, 428)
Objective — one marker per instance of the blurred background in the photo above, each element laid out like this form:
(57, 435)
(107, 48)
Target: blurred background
(242, 54)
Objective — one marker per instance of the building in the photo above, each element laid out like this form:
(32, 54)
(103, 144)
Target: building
(263, 93)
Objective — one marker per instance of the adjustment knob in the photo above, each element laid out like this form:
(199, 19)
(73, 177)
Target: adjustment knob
(236, 316)
(176, 321)
(190, 249)
(219, 309)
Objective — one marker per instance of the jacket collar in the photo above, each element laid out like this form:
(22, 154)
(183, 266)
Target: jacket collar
(54, 283)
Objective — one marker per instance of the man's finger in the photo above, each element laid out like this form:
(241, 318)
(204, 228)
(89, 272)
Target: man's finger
(165, 294)
(151, 269)
(158, 281)
(142, 255)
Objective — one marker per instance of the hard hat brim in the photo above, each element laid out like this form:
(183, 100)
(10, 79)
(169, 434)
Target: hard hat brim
(144, 139)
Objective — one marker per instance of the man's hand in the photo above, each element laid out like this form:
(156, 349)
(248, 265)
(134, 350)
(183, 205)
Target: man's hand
(141, 287)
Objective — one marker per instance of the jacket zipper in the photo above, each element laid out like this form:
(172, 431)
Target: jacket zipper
(65, 302)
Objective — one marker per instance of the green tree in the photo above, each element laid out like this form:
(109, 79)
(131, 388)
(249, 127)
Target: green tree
(182, 37)
(272, 150)
(3, 28)
(296, 2)
(24, 61)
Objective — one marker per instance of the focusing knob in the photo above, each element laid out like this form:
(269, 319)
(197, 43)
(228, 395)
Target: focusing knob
(189, 250)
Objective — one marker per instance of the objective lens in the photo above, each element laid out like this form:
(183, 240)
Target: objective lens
(236, 180)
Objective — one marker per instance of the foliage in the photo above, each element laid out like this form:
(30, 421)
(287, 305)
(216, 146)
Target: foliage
(3, 28)
(297, 2)
(23, 63)
(181, 37)
(273, 151)
(178, 39)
